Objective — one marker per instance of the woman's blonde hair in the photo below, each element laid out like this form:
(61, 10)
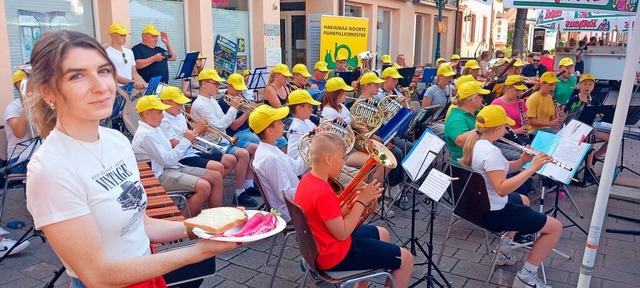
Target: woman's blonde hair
(46, 62)
(467, 148)
(272, 77)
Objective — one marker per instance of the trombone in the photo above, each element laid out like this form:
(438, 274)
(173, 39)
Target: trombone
(213, 133)
(203, 145)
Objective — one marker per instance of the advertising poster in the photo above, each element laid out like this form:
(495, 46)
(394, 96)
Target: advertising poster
(615, 6)
(224, 52)
(345, 36)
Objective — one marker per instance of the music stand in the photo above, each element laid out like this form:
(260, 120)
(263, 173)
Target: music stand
(429, 74)
(257, 80)
(407, 74)
(185, 70)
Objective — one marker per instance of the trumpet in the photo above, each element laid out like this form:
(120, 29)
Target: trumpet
(203, 145)
(534, 152)
(245, 107)
(215, 134)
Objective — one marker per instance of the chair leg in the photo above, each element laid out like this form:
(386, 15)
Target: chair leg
(5, 190)
(486, 241)
(273, 243)
(304, 281)
(446, 238)
(495, 259)
(275, 269)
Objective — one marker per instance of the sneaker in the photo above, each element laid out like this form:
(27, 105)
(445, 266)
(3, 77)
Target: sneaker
(253, 191)
(387, 211)
(393, 192)
(6, 244)
(505, 258)
(522, 238)
(246, 201)
(528, 281)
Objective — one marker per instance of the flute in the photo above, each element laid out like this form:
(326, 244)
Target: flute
(534, 152)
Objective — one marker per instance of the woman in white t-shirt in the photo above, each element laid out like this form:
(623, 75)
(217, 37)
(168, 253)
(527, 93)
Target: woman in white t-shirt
(509, 211)
(83, 185)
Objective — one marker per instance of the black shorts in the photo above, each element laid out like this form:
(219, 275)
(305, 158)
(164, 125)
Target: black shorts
(515, 216)
(368, 252)
(198, 161)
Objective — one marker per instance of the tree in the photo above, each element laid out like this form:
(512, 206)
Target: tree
(519, 29)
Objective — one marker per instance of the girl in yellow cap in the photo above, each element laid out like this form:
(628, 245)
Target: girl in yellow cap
(509, 211)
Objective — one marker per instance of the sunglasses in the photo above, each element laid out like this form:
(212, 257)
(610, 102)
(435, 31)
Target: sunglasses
(124, 57)
(534, 60)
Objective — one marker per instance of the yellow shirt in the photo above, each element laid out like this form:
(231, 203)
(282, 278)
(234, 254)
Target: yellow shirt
(449, 111)
(541, 108)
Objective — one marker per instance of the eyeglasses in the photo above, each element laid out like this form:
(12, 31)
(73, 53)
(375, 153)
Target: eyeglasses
(212, 82)
(124, 57)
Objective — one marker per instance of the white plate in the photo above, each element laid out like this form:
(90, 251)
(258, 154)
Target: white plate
(206, 235)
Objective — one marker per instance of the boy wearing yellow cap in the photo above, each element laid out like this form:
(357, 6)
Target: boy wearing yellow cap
(319, 76)
(150, 142)
(301, 105)
(341, 65)
(461, 121)
(17, 127)
(509, 211)
(440, 61)
(439, 94)
(472, 68)
(123, 58)
(567, 82)
(541, 107)
(391, 77)
(151, 60)
(278, 171)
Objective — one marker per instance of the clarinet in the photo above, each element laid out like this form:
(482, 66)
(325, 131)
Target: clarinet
(524, 120)
(558, 107)
(516, 137)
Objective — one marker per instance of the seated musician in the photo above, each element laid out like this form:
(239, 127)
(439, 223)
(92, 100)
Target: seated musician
(341, 66)
(301, 106)
(439, 94)
(577, 102)
(190, 85)
(276, 92)
(567, 82)
(300, 78)
(17, 128)
(278, 171)
(472, 68)
(509, 211)
(515, 107)
(459, 126)
(515, 69)
(318, 78)
(391, 78)
(455, 65)
(342, 244)
(249, 94)
(461, 80)
(541, 108)
(440, 61)
(150, 141)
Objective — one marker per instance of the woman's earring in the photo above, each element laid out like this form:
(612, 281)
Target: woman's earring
(52, 106)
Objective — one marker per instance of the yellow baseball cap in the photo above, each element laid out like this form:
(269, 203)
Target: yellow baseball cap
(455, 57)
(499, 63)
(472, 64)
(246, 72)
(237, 81)
(516, 81)
(471, 88)
(370, 77)
(210, 74)
(518, 63)
(149, 102)
(441, 60)
(337, 83)
(175, 94)
(118, 29)
(18, 76)
(301, 69)
(301, 96)
(464, 79)
(446, 70)
(565, 62)
(321, 66)
(264, 115)
(341, 57)
(586, 77)
(151, 30)
(391, 72)
(548, 77)
(282, 69)
(493, 116)
(386, 58)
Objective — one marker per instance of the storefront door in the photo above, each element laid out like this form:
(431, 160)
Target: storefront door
(293, 37)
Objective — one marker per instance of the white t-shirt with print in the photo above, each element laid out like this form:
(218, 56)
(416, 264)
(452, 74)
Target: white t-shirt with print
(65, 180)
(487, 158)
(122, 69)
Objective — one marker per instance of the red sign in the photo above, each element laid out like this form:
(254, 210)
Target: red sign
(582, 24)
(552, 14)
(220, 3)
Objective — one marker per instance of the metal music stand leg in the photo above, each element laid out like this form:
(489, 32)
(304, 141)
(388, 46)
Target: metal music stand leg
(56, 275)
(553, 212)
(622, 166)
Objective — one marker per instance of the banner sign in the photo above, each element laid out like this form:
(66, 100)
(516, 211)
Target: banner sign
(546, 16)
(346, 36)
(224, 56)
(627, 7)
(597, 25)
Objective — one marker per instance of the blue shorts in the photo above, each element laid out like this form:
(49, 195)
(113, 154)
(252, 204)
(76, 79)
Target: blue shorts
(515, 216)
(246, 137)
(368, 252)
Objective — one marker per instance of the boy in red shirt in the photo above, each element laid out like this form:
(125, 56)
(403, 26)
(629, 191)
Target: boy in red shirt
(342, 245)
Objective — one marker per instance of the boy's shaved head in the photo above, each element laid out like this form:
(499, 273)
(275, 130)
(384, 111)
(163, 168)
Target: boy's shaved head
(324, 143)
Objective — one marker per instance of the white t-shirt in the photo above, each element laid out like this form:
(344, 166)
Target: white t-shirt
(329, 113)
(13, 111)
(300, 127)
(122, 69)
(487, 158)
(65, 180)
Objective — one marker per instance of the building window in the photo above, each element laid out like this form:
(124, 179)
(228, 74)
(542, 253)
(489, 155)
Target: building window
(383, 32)
(473, 28)
(352, 11)
(167, 16)
(28, 20)
(231, 21)
(466, 28)
(484, 28)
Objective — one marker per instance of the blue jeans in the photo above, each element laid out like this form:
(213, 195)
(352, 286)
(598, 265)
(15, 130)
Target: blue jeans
(76, 283)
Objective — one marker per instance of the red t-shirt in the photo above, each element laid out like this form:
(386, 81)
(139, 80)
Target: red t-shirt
(320, 204)
(547, 62)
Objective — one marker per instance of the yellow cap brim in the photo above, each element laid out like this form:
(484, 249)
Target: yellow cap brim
(310, 101)
(305, 74)
(448, 74)
(521, 87)
(239, 87)
(182, 100)
(396, 76)
(484, 92)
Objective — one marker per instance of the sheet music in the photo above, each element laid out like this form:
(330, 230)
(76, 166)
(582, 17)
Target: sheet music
(570, 153)
(575, 130)
(419, 159)
(435, 185)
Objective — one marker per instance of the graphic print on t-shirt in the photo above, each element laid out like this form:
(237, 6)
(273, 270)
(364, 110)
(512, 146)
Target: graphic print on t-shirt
(119, 175)
(131, 196)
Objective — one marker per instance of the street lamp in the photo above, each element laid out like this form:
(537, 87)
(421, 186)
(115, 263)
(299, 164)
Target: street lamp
(440, 4)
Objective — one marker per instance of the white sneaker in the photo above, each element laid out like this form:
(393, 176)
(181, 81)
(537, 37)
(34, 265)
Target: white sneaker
(6, 244)
(505, 258)
(387, 211)
(393, 192)
(528, 281)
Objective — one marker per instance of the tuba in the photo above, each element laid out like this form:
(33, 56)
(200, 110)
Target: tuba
(246, 106)
(213, 133)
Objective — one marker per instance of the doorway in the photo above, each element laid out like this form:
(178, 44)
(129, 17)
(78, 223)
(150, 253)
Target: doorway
(293, 37)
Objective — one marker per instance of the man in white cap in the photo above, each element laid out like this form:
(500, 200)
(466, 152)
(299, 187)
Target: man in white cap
(122, 57)
(151, 60)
